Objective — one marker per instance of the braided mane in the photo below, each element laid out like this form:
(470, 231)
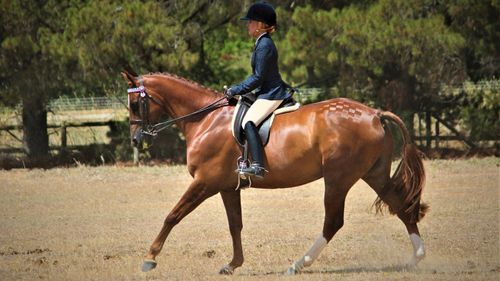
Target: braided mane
(191, 82)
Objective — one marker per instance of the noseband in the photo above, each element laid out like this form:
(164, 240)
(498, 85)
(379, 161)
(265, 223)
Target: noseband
(153, 129)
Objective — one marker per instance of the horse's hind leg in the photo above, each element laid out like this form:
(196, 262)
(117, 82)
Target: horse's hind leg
(416, 241)
(335, 194)
(378, 178)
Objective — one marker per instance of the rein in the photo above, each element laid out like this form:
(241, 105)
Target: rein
(154, 129)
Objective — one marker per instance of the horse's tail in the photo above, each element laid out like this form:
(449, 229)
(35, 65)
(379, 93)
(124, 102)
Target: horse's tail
(409, 178)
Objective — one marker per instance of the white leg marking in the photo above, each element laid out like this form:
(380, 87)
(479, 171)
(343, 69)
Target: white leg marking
(310, 256)
(418, 248)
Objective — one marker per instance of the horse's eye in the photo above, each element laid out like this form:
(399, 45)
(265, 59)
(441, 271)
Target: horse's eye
(134, 107)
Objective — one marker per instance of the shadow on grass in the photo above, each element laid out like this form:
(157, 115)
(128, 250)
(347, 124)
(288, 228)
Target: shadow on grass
(387, 269)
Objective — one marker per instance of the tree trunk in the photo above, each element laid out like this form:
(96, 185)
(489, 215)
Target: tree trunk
(35, 137)
(397, 96)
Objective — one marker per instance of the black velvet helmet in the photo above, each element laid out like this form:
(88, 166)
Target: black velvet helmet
(263, 12)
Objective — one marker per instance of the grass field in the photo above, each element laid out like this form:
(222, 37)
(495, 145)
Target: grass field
(97, 223)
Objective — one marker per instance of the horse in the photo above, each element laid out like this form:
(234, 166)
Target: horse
(339, 140)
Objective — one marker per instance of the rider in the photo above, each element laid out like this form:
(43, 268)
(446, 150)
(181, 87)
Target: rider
(270, 89)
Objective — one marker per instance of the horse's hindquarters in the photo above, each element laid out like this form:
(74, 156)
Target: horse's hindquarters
(304, 142)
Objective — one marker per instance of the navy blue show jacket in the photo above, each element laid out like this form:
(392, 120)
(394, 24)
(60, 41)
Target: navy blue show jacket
(265, 79)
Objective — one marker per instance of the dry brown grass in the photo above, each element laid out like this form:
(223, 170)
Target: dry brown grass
(97, 223)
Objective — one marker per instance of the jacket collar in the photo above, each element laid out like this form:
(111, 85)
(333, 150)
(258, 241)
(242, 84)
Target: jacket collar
(258, 38)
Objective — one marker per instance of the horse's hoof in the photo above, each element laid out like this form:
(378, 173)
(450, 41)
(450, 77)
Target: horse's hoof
(415, 259)
(226, 270)
(148, 265)
(292, 271)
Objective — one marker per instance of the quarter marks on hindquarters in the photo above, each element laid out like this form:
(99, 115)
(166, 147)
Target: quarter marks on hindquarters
(344, 110)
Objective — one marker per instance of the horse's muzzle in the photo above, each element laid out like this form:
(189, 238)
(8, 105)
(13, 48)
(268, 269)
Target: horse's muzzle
(137, 138)
(141, 140)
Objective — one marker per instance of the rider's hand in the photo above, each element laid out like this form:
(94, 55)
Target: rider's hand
(228, 93)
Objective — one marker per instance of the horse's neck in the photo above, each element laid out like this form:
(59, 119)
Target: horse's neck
(182, 97)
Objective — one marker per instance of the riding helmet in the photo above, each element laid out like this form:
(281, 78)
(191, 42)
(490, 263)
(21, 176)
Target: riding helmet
(263, 12)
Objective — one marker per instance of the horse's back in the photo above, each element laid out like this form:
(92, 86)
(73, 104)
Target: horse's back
(332, 115)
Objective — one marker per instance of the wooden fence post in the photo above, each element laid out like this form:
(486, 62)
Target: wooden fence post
(437, 133)
(64, 139)
(420, 128)
(428, 131)
(136, 155)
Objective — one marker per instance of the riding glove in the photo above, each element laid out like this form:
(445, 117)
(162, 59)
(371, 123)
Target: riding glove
(229, 94)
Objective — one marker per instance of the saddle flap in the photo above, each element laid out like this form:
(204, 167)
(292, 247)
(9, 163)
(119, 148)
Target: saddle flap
(239, 113)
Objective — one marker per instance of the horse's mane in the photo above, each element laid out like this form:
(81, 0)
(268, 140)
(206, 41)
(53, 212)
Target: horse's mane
(185, 80)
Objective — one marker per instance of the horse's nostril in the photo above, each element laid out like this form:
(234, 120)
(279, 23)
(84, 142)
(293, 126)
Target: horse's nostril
(135, 142)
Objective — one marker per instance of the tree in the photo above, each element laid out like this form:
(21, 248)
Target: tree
(52, 47)
(393, 54)
(478, 108)
(306, 47)
(26, 73)
(102, 37)
(210, 28)
(477, 22)
(395, 51)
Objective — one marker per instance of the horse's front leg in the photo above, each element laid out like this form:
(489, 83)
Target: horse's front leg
(192, 198)
(232, 204)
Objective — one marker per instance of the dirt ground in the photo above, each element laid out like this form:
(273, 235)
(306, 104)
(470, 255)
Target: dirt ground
(96, 223)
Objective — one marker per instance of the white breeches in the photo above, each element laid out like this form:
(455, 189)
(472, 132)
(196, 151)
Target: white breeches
(259, 110)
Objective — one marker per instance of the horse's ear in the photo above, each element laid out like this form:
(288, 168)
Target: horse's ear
(131, 79)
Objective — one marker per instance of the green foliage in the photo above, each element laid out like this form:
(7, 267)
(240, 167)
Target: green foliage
(477, 22)
(366, 48)
(479, 108)
(306, 46)
(228, 54)
(102, 37)
(221, 47)
(394, 54)
(24, 71)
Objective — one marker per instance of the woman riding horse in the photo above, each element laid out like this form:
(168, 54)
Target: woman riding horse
(265, 79)
(339, 140)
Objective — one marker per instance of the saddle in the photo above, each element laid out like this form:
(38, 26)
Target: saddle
(264, 128)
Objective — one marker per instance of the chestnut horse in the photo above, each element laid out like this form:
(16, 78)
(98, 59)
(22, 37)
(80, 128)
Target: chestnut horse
(339, 140)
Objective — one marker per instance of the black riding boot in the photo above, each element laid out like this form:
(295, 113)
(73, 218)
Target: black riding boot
(256, 150)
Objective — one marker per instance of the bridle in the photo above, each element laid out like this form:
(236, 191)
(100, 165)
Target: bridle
(144, 104)
(143, 101)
